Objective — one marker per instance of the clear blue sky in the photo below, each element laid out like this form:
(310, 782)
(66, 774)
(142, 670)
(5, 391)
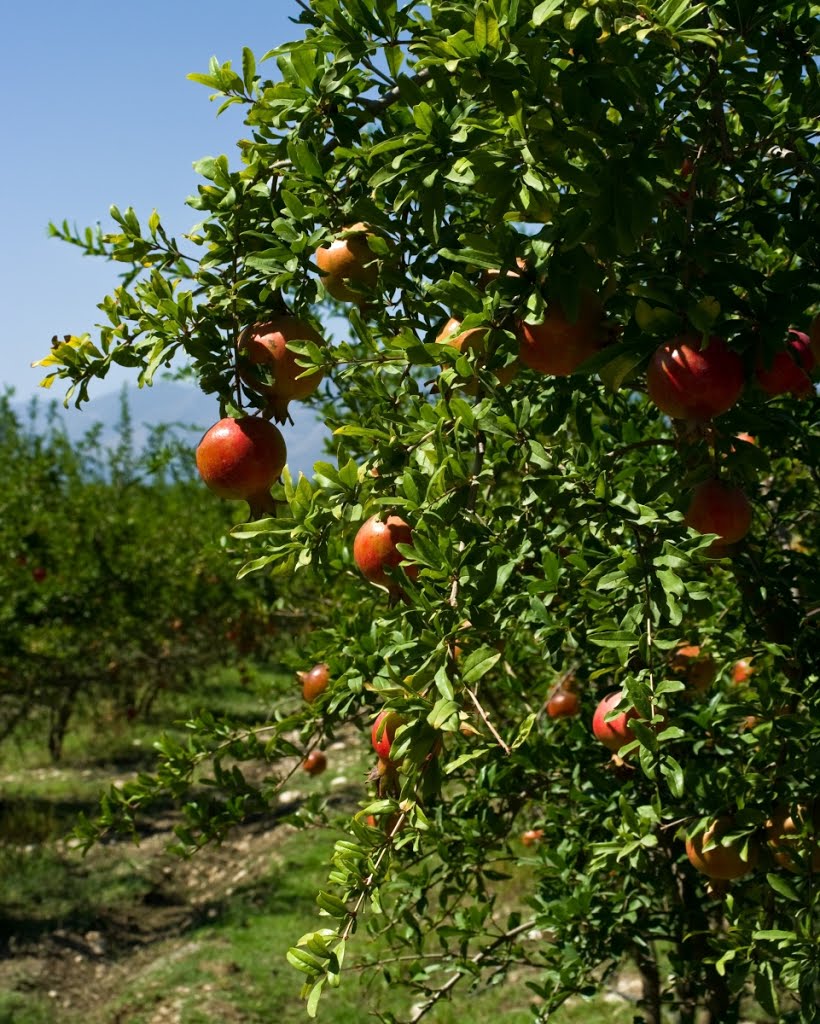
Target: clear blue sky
(98, 110)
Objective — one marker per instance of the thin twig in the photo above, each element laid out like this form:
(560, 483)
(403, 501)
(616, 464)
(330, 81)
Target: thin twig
(477, 958)
(486, 720)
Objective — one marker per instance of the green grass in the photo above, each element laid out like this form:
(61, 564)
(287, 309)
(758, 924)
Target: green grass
(234, 968)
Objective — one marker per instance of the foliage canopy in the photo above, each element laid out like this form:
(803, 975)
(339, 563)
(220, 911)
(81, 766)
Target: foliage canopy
(649, 166)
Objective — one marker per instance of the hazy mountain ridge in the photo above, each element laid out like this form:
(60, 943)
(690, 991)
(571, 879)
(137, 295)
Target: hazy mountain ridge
(189, 410)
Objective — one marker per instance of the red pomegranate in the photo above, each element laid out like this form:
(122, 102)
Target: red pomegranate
(690, 382)
(473, 340)
(789, 371)
(383, 732)
(615, 733)
(559, 345)
(374, 549)
(696, 667)
(721, 862)
(721, 508)
(315, 763)
(563, 704)
(239, 459)
(268, 367)
(348, 267)
(314, 682)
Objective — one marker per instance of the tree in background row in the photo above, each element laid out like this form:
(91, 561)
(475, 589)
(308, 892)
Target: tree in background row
(576, 243)
(115, 584)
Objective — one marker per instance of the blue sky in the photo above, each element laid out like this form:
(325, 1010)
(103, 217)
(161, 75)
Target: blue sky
(98, 110)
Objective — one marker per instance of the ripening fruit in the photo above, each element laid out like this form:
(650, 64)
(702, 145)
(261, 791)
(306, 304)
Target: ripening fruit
(786, 837)
(723, 862)
(383, 732)
(615, 733)
(558, 345)
(742, 671)
(532, 836)
(314, 682)
(268, 367)
(240, 459)
(315, 763)
(721, 508)
(473, 340)
(690, 383)
(374, 549)
(563, 704)
(348, 267)
(789, 370)
(696, 668)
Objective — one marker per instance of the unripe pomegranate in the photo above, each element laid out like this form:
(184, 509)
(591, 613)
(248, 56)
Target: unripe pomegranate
(789, 371)
(268, 366)
(721, 508)
(532, 836)
(723, 862)
(315, 763)
(697, 668)
(615, 733)
(383, 732)
(240, 459)
(374, 549)
(558, 345)
(563, 704)
(314, 682)
(473, 340)
(689, 382)
(348, 266)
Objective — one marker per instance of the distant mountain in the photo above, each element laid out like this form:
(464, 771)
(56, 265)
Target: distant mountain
(189, 409)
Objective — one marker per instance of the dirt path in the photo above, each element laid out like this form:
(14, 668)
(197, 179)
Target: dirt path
(82, 970)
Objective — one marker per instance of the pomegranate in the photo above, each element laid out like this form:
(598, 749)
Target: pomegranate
(558, 345)
(473, 340)
(240, 459)
(374, 549)
(742, 671)
(697, 668)
(314, 682)
(721, 508)
(615, 733)
(315, 763)
(383, 732)
(787, 836)
(689, 382)
(348, 266)
(532, 836)
(563, 704)
(268, 367)
(789, 371)
(723, 862)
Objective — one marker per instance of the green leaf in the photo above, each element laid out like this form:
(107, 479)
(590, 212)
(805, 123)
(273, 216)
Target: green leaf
(248, 69)
(486, 29)
(424, 117)
(546, 10)
(478, 663)
(524, 731)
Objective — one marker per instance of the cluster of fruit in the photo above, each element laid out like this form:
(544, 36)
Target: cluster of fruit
(721, 851)
(687, 379)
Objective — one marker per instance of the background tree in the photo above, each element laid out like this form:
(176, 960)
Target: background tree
(608, 197)
(117, 582)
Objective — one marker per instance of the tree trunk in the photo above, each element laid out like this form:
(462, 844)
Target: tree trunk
(650, 1001)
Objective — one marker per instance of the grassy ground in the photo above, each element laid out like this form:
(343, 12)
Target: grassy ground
(130, 935)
